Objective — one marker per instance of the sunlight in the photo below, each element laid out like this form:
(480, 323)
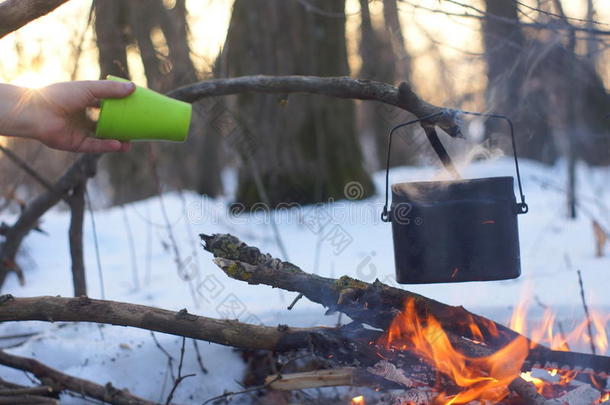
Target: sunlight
(32, 80)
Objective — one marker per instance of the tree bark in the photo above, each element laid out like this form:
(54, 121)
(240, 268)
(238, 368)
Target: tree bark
(110, 23)
(301, 149)
(180, 323)
(14, 14)
(380, 62)
(77, 210)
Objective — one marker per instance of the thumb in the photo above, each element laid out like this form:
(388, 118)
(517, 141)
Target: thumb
(108, 88)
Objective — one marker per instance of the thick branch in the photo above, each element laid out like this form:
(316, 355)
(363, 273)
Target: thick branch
(14, 14)
(61, 381)
(376, 304)
(341, 87)
(181, 323)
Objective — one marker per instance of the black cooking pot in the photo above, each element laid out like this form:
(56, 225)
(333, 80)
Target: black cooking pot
(458, 230)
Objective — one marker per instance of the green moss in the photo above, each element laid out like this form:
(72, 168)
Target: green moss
(237, 272)
(228, 248)
(347, 282)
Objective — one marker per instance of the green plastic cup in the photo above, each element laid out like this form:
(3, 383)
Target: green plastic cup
(143, 115)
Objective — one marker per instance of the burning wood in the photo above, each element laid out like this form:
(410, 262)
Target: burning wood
(464, 357)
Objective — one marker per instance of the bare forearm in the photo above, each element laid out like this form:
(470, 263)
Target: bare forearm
(16, 115)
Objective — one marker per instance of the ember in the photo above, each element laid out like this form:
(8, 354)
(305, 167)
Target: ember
(359, 400)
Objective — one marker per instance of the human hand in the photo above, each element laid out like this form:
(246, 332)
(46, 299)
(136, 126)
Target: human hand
(56, 115)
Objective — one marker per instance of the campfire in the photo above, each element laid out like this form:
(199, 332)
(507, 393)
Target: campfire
(420, 351)
(487, 378)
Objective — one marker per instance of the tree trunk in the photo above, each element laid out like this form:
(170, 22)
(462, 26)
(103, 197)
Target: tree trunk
(167, 65)
(111, 39)
(379, 62)
(299, 148)
(505, 56)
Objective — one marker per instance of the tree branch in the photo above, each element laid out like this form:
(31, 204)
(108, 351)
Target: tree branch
(61, 381)
(14, 14)
(80, 170)
(75, 234)
(181, 323)
(342, 87)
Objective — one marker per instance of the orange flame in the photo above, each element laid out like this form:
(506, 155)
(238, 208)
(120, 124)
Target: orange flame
(545, 333)
(359, 400)
(481, 378)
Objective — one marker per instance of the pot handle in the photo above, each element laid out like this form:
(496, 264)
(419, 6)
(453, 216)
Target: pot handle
(521, 207)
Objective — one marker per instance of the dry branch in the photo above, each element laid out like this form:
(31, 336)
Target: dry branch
(14, 14)
(375, 304)
(342, 87)
(61, 381)
(181, 323)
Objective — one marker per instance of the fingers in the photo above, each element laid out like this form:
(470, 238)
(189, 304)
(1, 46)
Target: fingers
(125, 146)
(95, 145)
(107, 88)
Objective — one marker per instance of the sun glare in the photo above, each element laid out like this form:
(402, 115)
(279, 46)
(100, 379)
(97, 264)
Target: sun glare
(30, 79)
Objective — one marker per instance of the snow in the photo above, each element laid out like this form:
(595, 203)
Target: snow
(552, 249)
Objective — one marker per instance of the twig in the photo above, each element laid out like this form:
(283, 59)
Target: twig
(132, 249)
(83, 168)
(199, 358)
(586, 308)
(29, 170)
(96, 244)
(247, 390)
(180, 377)
(295, 300)
(168, 226)
(170, 359)
(79, 47)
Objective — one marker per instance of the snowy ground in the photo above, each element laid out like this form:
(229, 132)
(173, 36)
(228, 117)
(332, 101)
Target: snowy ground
(144, 271)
